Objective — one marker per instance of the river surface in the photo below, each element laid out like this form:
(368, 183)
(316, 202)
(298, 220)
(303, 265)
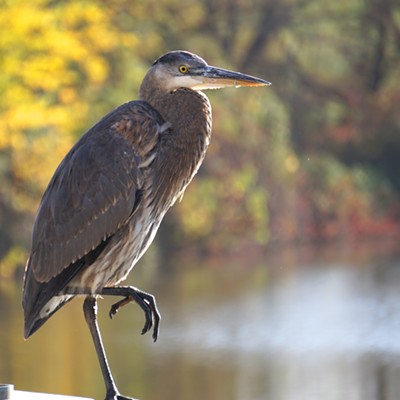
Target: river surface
(309, 324)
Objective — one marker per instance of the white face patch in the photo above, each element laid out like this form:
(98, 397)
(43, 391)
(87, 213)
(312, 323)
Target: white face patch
(196, 83)
(172, 83)
(184, 81)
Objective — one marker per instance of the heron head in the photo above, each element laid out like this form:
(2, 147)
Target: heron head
(181, 69)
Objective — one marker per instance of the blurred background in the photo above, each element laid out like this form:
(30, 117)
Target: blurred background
(278, 274)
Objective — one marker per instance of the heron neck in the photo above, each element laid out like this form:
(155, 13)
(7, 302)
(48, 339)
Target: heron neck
(183, 147)
(187, 111)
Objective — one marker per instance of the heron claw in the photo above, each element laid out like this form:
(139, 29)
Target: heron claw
(113, 311)
(115, 307)
(148, 304)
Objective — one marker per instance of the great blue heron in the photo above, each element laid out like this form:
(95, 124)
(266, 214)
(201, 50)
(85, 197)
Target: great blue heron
(104, 204)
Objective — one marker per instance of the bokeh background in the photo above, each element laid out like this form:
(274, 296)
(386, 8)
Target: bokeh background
(299, 189)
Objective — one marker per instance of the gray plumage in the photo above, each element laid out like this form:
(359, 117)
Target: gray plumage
(105, 202)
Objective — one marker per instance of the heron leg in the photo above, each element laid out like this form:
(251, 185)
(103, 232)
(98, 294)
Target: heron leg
(90, 311)
(146, 301)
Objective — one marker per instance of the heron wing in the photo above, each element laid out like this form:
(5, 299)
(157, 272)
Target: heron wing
(95, 189)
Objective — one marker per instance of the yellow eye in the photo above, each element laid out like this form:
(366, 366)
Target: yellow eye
(183, 69)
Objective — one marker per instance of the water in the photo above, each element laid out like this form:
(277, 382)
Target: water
(297, 325)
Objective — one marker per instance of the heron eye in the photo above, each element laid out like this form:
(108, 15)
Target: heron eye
(183, 69)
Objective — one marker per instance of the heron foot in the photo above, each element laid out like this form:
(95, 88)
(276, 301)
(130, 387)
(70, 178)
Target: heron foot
(146, 301)
(117, 396)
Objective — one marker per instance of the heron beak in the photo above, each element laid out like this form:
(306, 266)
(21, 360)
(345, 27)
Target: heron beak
(215, 78)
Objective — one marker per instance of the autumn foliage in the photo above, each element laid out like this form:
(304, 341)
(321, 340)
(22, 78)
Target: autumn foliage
(314, 157)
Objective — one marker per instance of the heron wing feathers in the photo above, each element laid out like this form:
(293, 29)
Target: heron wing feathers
(95, 189)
